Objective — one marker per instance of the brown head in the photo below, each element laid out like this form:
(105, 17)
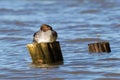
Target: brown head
(45, 27)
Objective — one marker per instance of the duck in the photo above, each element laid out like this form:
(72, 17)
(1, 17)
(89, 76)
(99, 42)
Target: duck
(45, 34)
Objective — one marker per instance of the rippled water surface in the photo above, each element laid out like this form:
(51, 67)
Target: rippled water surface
(77, 23)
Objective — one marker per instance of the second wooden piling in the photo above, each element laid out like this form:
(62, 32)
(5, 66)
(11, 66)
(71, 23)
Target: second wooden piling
(99, 47)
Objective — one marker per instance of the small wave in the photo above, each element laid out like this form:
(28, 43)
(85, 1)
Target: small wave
(18, 23)
(106, 78)
(24, 12)
(112, 74)
(5, 10)
(17, 12)
(90, 11)
(85, 40)
(110, 59)
(8, 30)
(11, 38)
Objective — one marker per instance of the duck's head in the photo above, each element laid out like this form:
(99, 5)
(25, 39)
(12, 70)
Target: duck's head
(45, 27)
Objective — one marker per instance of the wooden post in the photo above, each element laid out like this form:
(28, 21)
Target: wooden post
(99, 47)
(45, 53)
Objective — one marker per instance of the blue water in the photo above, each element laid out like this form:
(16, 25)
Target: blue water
(77, 23)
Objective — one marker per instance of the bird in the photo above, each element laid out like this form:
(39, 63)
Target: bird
(45, 34)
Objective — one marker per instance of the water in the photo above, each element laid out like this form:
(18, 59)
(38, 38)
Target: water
(77, 23)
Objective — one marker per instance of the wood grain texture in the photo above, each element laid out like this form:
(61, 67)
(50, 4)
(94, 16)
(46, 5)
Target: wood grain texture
(45, 53)
(99, 47)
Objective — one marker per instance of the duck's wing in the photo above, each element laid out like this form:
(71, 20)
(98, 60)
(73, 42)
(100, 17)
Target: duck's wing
(54, 36)
(35, 36)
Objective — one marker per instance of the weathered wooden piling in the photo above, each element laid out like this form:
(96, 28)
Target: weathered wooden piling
(99, 47)
(45, 53)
